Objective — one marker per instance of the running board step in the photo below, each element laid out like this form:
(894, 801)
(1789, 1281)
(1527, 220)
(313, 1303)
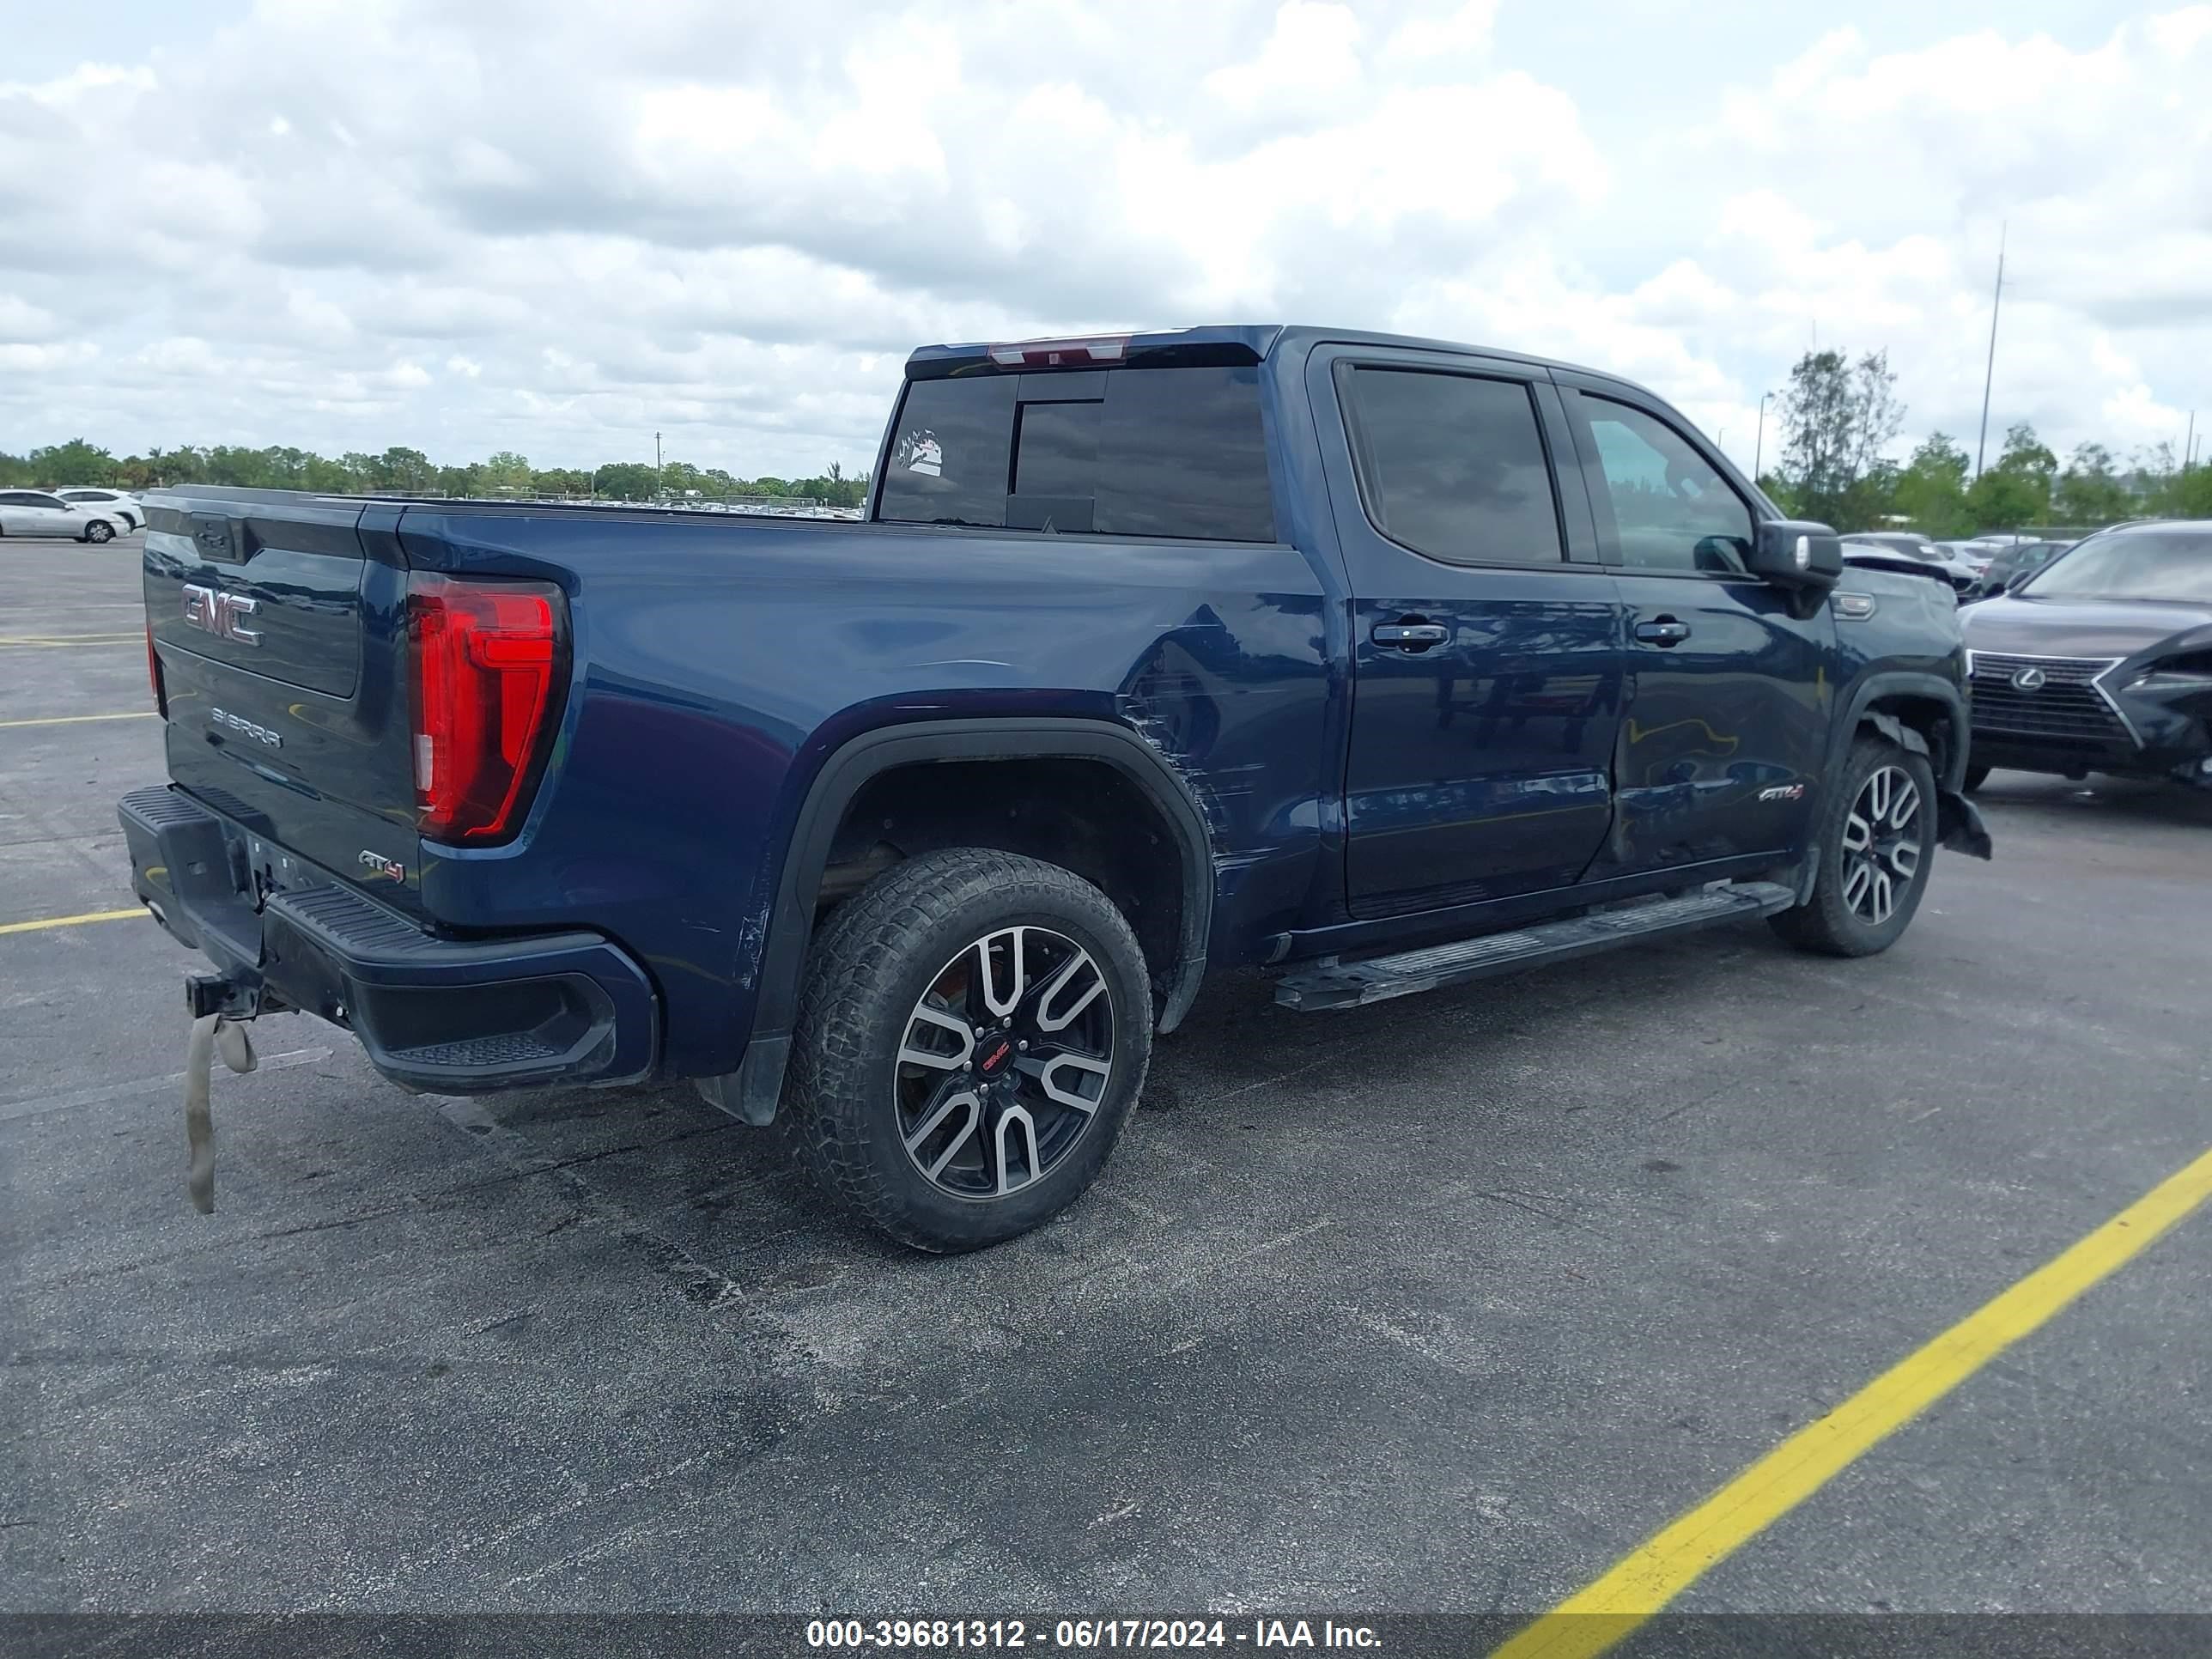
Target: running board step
(1349, 984)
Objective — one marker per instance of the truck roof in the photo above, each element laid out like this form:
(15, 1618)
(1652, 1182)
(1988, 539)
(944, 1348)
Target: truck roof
(1249, 343)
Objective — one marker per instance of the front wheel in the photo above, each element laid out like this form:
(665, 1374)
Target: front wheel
(1975, 778)
(99, 530)
(1876, 835)
(973, 1030)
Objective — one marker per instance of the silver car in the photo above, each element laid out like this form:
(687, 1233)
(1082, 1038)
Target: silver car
(38, 512)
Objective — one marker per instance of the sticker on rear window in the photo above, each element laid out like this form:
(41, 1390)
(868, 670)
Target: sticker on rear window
(919, 451)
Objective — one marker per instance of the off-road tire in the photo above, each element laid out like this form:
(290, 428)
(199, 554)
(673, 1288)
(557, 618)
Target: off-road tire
(866, 970)
(1828, 923)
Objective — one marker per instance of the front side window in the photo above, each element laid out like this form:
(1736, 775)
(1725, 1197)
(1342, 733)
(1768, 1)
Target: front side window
(1671, 509)
(1169, 451)
(1453, 467)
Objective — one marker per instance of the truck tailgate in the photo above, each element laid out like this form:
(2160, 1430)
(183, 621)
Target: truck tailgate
(278, 626)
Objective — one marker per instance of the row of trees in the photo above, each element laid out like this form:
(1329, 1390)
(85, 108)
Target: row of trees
(1839, 418)
(407, 471)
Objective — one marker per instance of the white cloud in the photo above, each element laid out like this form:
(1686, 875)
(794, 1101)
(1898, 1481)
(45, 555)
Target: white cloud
(1878, 183)
(349, 225)
(23, 323)
(1312, 55)
(82, 85)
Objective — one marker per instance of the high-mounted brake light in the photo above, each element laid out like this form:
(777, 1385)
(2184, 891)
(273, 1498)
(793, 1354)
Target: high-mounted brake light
(488, 666)
(154, 673)
(1060, 354)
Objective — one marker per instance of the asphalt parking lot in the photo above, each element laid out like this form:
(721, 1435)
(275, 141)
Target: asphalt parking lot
(1443, 1304)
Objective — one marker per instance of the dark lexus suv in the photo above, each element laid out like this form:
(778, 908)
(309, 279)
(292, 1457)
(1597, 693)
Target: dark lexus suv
(2102, 661)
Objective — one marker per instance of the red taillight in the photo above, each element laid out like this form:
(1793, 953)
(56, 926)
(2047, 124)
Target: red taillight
(154, 674)
(488, 664)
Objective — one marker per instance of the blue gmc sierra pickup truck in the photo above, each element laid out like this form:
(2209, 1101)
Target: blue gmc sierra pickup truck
(1380, 664)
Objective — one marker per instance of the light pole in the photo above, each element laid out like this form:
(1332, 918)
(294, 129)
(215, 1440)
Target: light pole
(1759, 445)
(1990, 369)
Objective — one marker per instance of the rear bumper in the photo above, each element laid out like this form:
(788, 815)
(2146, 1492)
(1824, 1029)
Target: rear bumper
(457, 1015)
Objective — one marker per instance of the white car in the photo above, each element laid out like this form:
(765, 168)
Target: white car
(112, 502)
(41, 513)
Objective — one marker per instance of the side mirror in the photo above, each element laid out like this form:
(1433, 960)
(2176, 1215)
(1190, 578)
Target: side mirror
(1795, 555)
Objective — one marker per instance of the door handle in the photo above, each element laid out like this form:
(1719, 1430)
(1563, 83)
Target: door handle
(1410, 636)
(1663, 631)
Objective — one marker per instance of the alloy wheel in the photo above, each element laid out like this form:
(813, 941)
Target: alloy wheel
(1882, 843)
(1004, 1061)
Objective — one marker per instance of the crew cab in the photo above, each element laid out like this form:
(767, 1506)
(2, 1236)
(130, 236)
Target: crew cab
(1380, 664)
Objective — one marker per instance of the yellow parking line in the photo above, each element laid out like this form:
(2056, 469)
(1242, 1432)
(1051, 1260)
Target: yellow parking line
(50, 640)
(1676, 1556)
(69, 921)
(78, 719)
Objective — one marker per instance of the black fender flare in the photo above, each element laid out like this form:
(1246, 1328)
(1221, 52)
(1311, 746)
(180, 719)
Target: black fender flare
(1959, 824)
(751, 1091)
(1902, 682)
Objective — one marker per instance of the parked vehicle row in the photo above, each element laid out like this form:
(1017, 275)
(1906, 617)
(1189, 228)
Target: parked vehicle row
(1931, 557)
(63, 514)
(2013, 563)
(1375, 663)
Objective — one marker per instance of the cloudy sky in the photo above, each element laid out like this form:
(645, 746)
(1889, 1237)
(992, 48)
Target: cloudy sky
(557, 225)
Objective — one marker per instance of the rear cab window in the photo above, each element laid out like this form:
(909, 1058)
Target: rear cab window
(1169, 451)
(1452, 466)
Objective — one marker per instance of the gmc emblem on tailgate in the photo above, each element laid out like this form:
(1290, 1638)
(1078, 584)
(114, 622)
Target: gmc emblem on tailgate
(218, 614)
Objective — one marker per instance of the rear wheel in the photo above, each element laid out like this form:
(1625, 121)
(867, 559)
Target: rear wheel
(1976, 777)
(100, 531)
(972, 1033)
(1877, 840)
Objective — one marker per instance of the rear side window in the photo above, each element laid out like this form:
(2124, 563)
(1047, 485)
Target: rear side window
(1174, 452)
(1453, 467)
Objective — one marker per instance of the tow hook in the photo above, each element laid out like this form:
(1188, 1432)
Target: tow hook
(221, 1005)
